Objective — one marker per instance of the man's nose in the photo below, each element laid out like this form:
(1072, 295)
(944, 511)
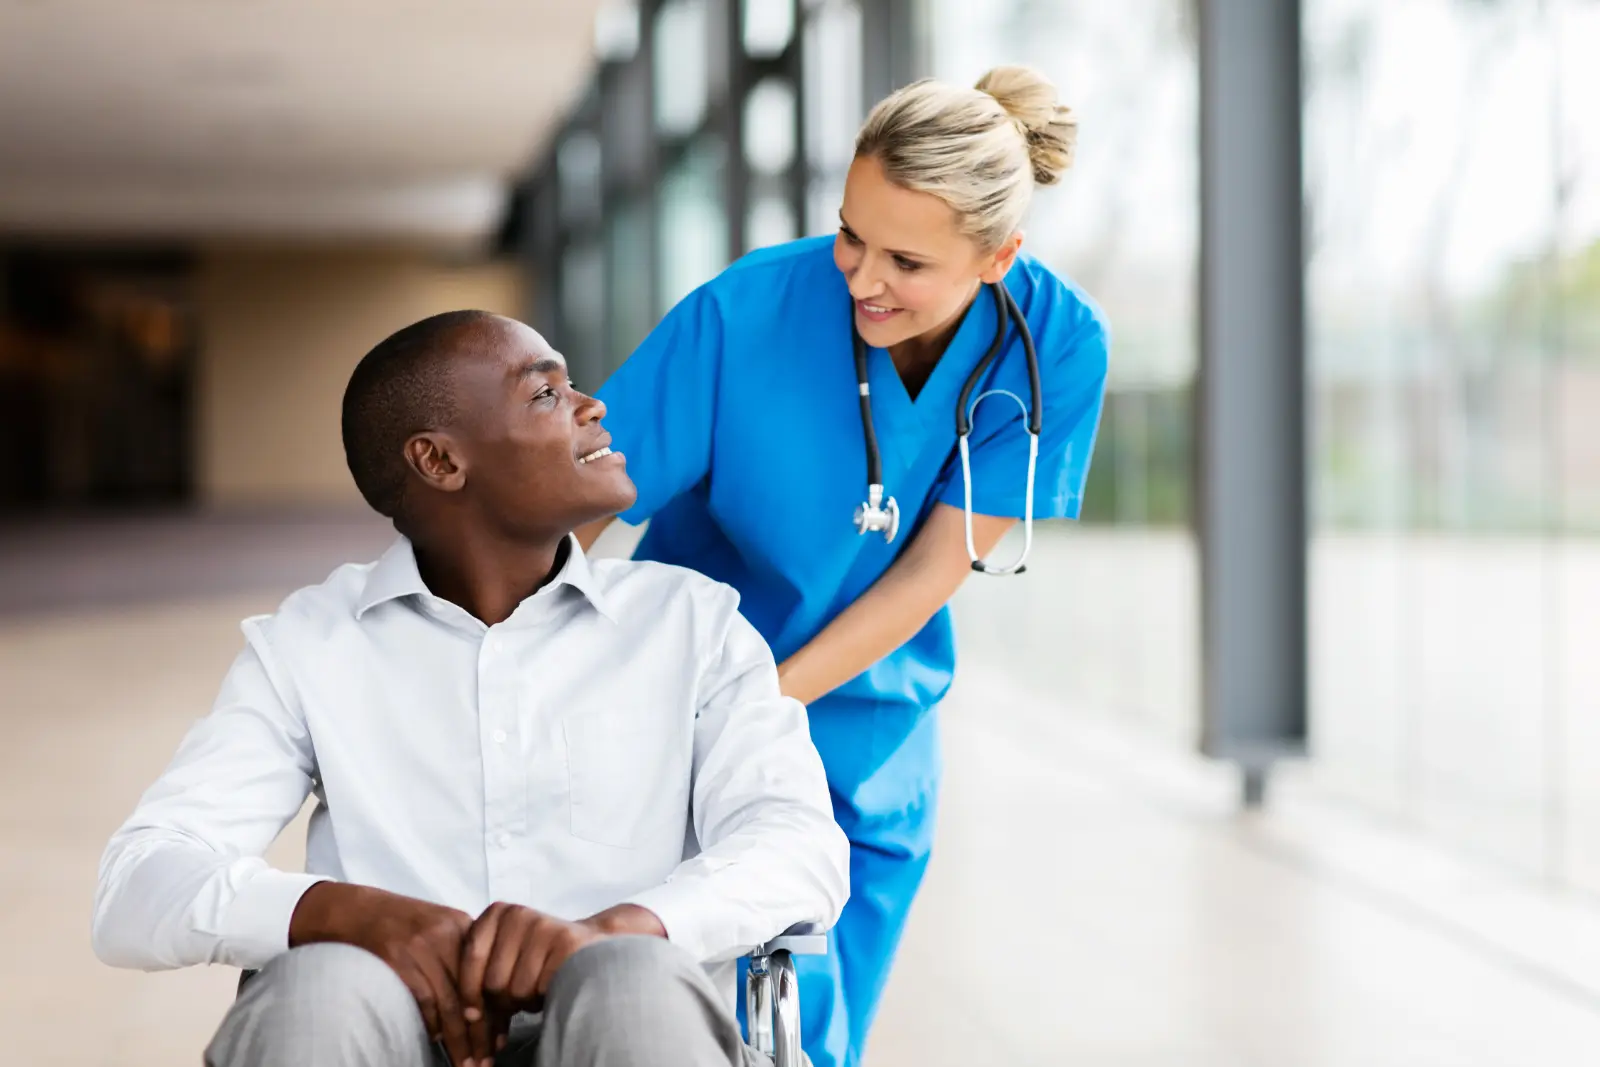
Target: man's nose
(591, 409)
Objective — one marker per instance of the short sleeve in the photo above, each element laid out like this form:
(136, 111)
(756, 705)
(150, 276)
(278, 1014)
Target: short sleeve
(1073, 383)
(661, 403)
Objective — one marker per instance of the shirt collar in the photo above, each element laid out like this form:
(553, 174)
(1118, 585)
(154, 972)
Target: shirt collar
(577, 573)
(395, 575)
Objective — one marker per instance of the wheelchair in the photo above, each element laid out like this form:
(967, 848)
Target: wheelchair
(772, 992)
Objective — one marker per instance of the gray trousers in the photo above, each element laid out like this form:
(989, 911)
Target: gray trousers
(623, 1002)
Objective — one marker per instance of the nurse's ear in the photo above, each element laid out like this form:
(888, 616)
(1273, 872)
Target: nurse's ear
(435, 459)
(997, 263)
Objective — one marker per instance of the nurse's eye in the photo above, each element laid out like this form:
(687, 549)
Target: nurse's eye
(907, 265)
(849, 237)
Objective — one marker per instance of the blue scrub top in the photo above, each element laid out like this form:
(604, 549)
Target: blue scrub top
(740, 419)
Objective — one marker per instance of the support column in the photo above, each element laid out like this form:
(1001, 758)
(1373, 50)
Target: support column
(892, 52)
(1251, 512)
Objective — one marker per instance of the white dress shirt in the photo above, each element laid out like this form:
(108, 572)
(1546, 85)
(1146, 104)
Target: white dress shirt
(620, 738)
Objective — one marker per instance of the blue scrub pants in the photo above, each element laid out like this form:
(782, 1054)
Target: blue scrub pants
(889, 818)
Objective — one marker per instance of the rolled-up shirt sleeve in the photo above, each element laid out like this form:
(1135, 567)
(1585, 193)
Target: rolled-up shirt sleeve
(771, 854)
(183, 881)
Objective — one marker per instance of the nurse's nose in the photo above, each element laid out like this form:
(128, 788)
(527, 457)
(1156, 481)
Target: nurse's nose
(865, 284)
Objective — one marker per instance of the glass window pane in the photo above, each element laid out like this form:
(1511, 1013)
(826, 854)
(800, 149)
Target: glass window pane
(823, 200)
(1575, 309)
(681, 72)
(616, 31)
(630, 309)
(1124, 224)
(694, 223)
(832, 85)
(769, 126)
(770, 221)
(583, 285)
(625, 124)
(579, 176)
(768, 27)
(1432, 172)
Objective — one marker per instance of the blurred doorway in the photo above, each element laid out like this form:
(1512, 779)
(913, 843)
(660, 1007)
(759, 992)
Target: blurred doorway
(97, 356)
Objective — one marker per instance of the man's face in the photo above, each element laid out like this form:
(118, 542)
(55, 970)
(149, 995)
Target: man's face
(535, 455)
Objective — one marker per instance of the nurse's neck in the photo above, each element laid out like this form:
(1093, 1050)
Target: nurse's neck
(915, 357)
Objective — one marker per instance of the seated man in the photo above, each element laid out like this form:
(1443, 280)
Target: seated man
(547, 790)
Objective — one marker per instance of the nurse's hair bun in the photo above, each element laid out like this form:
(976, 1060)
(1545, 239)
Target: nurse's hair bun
(1049, 127)
(979, 149)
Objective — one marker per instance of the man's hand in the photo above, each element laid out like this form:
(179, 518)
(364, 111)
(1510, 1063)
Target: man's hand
(508, 958)
(512, 954)
(421, 942)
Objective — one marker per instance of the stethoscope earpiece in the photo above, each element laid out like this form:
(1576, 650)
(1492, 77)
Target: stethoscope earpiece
(878, 514)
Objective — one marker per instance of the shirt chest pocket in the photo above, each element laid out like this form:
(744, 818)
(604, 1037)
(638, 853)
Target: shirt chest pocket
(627, 775)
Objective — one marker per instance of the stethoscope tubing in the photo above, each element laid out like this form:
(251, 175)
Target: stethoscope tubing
(1006, 313)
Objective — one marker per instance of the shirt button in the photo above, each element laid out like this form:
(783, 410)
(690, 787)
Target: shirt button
(499, 645)
(499, 737)
(502, 840)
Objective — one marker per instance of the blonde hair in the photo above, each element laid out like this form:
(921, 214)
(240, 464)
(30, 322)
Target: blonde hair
(980, 150)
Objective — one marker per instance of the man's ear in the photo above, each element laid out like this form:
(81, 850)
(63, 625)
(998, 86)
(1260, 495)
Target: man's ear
(437, 461)
(1002, 260)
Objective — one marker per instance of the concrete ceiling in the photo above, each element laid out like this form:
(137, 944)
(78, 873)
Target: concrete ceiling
(282, 118)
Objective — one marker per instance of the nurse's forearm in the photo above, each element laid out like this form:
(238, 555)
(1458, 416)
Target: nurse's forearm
(884, 618)
(898, 605)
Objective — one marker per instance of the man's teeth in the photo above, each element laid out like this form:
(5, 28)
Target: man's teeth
(598, 453)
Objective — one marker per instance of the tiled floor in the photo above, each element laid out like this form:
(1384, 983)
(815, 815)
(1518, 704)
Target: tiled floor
(1091, 902)
(1084, 908)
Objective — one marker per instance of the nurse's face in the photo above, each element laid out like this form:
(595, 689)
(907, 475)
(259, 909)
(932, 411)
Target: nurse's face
(910, 269)
(533, 449)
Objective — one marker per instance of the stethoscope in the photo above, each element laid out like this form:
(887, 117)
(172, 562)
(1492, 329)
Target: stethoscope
(879, 513)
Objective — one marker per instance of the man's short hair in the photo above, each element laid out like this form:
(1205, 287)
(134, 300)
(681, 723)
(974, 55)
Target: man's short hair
(399, 389)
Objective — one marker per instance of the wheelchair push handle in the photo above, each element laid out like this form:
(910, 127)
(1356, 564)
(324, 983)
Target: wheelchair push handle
(801, 939)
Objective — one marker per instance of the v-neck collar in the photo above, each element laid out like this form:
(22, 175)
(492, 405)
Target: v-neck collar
(936, 401)
(906, 427)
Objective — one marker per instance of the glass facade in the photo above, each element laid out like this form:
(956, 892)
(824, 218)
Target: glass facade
(835, 104)
(1118, 589)
(1453, 350)
(684, 154)
(694, 222)
(695, 167)
(1454, 344)
(682, 32)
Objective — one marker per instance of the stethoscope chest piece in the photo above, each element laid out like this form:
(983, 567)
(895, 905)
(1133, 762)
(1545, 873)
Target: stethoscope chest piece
(883, 515)
(876, 514)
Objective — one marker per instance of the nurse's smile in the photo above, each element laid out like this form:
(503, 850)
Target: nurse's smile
(875, 313)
